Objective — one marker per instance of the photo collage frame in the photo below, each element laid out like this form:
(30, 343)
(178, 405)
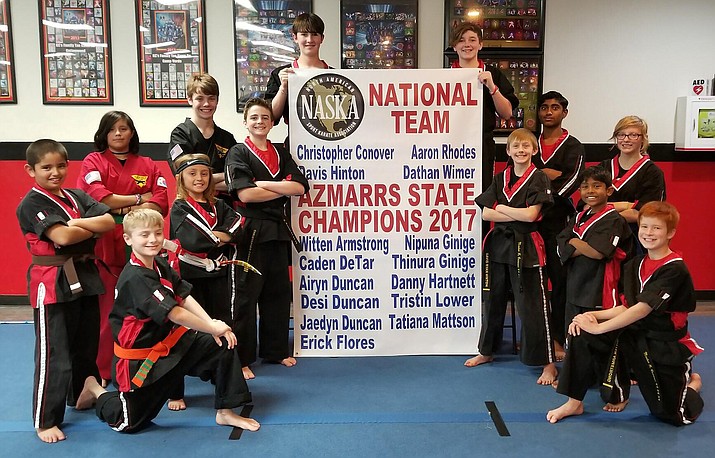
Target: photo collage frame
(171, 42)
(7, 71)
(263, 41)
(379, 35)
(75, 47)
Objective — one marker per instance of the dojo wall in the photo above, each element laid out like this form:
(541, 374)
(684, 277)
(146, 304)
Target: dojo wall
(609, 58)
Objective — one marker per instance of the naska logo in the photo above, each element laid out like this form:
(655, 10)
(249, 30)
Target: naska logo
(330, 106)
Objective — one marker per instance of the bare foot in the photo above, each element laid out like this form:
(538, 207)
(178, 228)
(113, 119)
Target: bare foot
(176, 404)
(248, 373)
(696, 382)
(559, 351)
(477, 360)
(289, 361)
(569, 408)
(50, 435)
(617, 407)
(548, 375)
(90, 392)
(227, 417)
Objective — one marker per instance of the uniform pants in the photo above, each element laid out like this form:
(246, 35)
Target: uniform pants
(105, 351)
(131, 411)
(213, 295)
(612, 357)
(529, 287)
(557, 299)
(66, 336)
(271, 292)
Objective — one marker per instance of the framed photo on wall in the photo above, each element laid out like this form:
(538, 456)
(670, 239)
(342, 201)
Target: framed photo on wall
(171, 39)
(75, 51)
(263, 41)
(7, 70)
(504, 23)
(378, 34)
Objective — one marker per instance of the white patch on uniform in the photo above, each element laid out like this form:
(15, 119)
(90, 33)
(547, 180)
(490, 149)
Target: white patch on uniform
(40, 216)
(161, 181)
(615, 240)
(92, 176)
(665, 296)
(175, 152)
(158, 295)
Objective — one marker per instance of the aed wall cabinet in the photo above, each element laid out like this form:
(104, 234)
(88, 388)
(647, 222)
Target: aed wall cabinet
(695, 124)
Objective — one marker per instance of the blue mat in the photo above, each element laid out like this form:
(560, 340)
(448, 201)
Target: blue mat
(386, 406)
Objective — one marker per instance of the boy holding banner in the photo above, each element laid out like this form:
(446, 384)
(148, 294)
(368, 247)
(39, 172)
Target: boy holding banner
(514, 255)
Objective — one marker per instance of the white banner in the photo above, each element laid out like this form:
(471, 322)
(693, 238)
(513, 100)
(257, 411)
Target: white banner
(391, 260)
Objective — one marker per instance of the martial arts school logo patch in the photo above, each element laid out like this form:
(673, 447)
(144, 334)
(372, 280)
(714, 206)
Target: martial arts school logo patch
(221, 151)
(330, 106)
(140, 180)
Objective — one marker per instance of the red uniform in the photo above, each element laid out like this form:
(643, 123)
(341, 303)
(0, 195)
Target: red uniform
(103, 175)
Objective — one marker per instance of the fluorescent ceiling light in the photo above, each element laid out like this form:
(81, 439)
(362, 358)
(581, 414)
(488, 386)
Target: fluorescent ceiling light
(60, 25)
(87, 44)
(246, 4)
(174, 2)
(164, 44)
(59, 54)
(243, 25)
(273, 45)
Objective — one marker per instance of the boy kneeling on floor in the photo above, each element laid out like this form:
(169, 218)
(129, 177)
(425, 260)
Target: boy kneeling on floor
(647, 336)
(162, 334)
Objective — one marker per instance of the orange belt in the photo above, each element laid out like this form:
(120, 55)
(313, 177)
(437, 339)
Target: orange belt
(150, 355)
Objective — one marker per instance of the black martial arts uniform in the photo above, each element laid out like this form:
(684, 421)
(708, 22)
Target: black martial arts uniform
(145, 296)
(592, 284)
(65, 306)
(266, 246)
(657, 349)
(514, 254)
(186, 138)
(567, 158)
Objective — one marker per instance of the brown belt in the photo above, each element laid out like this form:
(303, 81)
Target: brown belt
(66, 261)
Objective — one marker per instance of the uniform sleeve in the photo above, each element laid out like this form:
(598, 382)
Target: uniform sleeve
(35, 219)
(90, 178)
(238, 171)
(292, 172)
(90, 206)
(488, 198)
(564, 248)
(570, 166)
(539, 191)
(179, 143)
(231, 222)
(188, 230)
(651, 188)
(605, 237)
(148, 295)
(158, 189)
(505, 87)
(274, 84)
(669, 289)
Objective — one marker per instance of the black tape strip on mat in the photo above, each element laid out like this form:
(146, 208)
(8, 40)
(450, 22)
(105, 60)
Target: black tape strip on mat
(496, 418)
(236, 433)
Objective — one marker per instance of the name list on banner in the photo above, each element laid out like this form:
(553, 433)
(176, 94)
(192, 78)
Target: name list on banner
(390, 234)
